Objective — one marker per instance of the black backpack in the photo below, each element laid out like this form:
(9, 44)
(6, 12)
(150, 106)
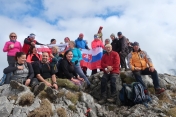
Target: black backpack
(132, 94)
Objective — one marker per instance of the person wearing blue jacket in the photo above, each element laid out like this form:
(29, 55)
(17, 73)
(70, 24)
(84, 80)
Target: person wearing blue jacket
(77, 57)
(80, 43)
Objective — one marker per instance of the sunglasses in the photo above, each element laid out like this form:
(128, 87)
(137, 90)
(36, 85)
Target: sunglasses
(13, 36)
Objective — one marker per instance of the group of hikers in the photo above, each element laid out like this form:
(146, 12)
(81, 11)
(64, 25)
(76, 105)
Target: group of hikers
(40, 71)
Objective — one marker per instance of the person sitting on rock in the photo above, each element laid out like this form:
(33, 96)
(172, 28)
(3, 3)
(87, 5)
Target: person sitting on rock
(67, 70)
(33, 55)
(110, 63)
(46, 74)
(22, 73)
(140, 63)
(77, 57)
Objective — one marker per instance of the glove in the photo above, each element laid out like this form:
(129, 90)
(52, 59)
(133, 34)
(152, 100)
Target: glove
(76, 62)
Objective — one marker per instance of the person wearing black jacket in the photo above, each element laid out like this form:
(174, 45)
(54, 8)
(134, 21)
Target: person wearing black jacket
(115, 43)
(123, 50)
(66, 69)
(20, 73)
(45, 73)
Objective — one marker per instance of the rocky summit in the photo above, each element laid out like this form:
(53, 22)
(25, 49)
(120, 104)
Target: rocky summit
(71, 102)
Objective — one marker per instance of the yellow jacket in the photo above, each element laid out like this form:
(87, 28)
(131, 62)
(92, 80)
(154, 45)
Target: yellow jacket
(139, 59)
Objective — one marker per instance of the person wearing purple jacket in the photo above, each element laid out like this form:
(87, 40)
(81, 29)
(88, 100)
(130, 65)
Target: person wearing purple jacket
(11, 47)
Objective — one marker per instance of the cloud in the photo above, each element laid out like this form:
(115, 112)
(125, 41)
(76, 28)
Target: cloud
(151, 23)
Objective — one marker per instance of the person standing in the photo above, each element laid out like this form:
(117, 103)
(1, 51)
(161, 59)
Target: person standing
(28, 42)
(11, 47)
(96, 43)
(80, 43)
(123, 50)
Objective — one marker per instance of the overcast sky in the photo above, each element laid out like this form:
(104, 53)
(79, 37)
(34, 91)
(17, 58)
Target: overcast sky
(151, 22)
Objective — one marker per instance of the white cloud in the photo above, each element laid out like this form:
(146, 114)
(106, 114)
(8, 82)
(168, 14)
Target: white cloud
(151, 23)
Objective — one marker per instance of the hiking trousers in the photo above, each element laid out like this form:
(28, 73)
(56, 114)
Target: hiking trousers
(122, 60)
(114, 81)
(146, 71)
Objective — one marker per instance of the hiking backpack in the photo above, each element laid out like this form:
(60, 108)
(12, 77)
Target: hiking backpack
(132, 94)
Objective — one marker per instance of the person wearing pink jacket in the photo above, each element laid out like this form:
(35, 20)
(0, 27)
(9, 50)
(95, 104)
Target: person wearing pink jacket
(11, 47)
(96, 43)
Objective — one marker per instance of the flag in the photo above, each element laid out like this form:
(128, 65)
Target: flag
(42, 48)
(62, 47)
(92, 58)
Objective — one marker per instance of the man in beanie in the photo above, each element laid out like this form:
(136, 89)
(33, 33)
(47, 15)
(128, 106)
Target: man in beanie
(123, 50)
(114, 43)
(141, 64)
(80, 43)
(28, 42)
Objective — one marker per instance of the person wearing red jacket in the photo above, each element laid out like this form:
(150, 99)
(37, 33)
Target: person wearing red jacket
(96, 43)
(28, 42)
(110, 63)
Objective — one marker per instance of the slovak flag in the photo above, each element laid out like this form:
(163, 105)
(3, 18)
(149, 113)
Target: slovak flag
(92, 58)
(42, 48)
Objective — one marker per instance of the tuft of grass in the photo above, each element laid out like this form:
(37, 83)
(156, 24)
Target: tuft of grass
(79, 94)
(61, 112)
(45, 110)
(26, 99)
(60, 94)
(72, 97)
(151, 90)
(72, 108)
(111, 107)
(122, 75)
(172, 112)
(43, 95)
(126, 79)
(163, 98)
(13, 97)
(67, 84)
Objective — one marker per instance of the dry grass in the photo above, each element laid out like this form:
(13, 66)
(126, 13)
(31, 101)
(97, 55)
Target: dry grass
(26, 99)
(13, 97)
(60, 94)
(72, 97)
(172, 112)
(151, 90)
(61, 112)
(67, 84)
(45, 110)
(163, 98)
(126, 79)
(72, 108)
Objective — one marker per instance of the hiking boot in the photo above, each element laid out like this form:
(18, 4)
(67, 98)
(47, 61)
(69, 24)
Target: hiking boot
(38, 88)
(159, 90)
(51, 93)
(16, 85)
(111, 100)
(102, 101)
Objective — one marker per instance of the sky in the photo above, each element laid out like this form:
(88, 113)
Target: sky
(151, 23)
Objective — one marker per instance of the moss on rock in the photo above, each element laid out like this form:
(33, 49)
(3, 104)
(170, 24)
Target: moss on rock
(72, 97)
